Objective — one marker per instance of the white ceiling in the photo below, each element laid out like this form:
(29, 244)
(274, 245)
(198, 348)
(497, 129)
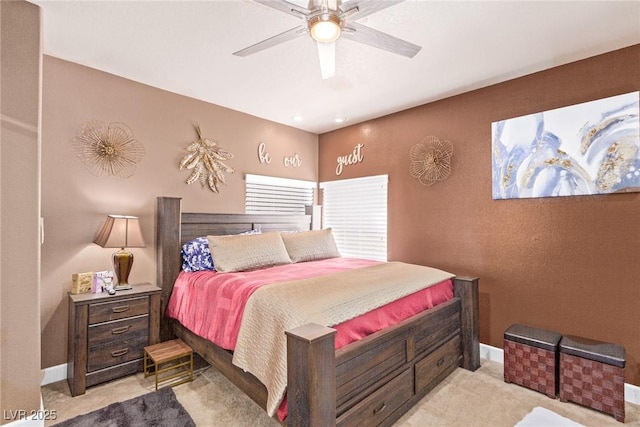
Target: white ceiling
(186, 47)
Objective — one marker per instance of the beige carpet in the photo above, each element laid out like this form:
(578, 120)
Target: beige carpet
(465, 398)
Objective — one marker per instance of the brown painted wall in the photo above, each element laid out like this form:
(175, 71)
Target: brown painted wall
(75, 202)
(20, 74)
(568, 264)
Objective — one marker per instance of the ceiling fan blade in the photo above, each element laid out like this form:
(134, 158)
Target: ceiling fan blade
(366, 35)
(327, 56)
(273, 41)
(365, 7)
(286, 7)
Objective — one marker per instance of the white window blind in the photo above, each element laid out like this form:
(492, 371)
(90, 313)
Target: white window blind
(356, 210)
(268, 194)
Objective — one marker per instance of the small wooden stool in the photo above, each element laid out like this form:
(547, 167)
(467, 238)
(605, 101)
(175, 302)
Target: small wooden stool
(165, 352)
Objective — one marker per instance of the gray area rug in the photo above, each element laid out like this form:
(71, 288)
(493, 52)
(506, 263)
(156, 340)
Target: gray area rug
(158, 409)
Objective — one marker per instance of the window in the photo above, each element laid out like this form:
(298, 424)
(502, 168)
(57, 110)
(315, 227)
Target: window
(356, 210)
(268, 194)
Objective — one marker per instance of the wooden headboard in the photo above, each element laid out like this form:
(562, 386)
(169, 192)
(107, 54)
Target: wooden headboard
(174, 228)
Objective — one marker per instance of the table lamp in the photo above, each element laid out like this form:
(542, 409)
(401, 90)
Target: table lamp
(120, 231)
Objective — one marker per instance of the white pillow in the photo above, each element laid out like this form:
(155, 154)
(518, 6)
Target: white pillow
(247, 252)
(310, 245)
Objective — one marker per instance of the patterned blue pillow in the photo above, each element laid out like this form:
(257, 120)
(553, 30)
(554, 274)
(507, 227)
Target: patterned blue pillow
(196, 255)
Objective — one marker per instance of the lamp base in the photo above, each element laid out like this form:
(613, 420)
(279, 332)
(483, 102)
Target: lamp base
(122, 262)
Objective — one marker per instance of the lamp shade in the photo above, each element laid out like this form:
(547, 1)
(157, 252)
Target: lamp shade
(120, 231)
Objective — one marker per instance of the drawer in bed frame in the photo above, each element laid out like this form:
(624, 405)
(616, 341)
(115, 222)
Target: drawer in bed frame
(378, 406)
(389, 375)
(399, 389)
(429, 369)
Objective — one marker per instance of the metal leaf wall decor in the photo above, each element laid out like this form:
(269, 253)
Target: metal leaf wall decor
(431, 160)
(108, 149)
(205, 161)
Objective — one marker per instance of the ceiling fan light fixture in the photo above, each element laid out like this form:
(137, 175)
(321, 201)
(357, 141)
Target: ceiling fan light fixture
(325, 27)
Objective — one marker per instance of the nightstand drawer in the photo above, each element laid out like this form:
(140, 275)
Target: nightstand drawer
(114, 310)
(117, 331)
(116, 353)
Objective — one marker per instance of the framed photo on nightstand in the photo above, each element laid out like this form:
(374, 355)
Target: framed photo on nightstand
(102, 281)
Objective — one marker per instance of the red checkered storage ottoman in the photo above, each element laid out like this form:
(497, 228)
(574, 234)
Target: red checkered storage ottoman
(531, 358)
(592, 375)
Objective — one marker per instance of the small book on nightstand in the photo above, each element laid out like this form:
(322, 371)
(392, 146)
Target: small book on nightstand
(81, 282)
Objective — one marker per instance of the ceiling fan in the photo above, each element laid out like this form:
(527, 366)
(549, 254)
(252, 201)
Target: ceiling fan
(327, 21)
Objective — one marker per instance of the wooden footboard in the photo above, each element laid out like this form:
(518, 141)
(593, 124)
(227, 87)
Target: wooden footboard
(373, 381)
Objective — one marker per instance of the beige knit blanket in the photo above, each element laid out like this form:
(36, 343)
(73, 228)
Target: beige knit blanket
(327, 300)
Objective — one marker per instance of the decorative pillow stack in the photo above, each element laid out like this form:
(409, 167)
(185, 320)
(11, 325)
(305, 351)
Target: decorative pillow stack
(253, 250)
(196, 255)
(310, 245)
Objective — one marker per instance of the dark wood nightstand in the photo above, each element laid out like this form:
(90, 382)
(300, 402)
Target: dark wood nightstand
(108, 333)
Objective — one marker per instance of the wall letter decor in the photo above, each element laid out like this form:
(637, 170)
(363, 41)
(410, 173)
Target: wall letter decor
(589, 148)
(350, 159)
(205, 159)
(294, 161)
(263, 156)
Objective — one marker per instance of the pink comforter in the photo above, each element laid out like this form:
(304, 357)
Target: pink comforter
(211, 304)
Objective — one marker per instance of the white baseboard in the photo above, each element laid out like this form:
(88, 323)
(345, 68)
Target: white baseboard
(33, 420)
(494, 354)
(25, 423)
(54, 374)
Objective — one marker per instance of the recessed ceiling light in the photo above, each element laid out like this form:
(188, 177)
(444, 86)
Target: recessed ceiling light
(297, 118)
(339, 119)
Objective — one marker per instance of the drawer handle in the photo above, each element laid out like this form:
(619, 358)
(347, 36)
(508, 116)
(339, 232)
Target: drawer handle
(379, 409)
(440, 361)
(118, 353)
(120, 330)
(120, 309)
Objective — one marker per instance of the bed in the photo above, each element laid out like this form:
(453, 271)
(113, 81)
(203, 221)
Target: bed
(372, 381)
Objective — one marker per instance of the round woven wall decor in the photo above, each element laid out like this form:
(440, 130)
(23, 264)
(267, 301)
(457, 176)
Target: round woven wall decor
(431, 160)
(108, 149)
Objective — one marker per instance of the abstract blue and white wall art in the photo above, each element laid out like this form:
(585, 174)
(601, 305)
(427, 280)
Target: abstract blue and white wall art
(589, 148)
